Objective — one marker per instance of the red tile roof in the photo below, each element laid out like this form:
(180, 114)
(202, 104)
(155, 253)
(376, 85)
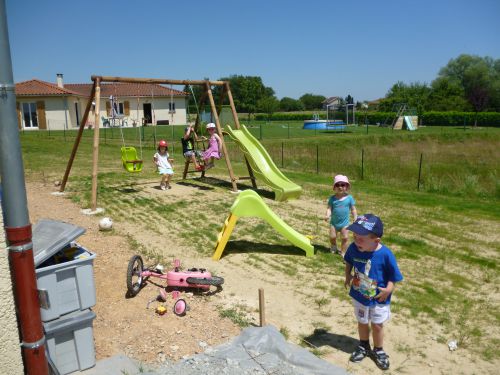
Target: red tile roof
(126, 89)
(37, 87)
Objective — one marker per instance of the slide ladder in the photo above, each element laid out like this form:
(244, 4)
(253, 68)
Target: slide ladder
(250, 204)
(262, 165)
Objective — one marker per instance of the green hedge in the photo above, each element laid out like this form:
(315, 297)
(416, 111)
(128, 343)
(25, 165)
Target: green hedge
(385, 118)
(460, 118)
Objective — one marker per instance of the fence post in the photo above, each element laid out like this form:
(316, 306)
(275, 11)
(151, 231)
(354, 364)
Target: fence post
(288, 130)
(317, 159)
(419, 172)
(362, 163)
(464, 122)
(282, 165)
(260, 132)
(64, 132)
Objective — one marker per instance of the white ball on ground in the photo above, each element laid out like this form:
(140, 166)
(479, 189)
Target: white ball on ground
(105, 223)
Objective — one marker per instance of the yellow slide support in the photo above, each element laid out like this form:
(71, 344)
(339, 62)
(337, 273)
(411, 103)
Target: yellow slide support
(250, 204)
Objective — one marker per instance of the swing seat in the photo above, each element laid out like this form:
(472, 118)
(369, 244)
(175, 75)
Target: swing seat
(130, 161)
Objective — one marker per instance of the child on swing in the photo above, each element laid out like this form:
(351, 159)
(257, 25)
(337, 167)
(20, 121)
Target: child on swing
(162, 162)
(188, 146)
(214, 147)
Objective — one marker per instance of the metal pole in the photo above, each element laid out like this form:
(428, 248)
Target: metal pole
(317, 159)
(419, 172)
(362, 162)
(17, 223)
(282, 161)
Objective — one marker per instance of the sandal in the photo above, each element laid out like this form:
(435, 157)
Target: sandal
(359, 354)
(380, 358)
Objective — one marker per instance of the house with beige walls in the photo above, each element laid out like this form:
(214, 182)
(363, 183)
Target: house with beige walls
(44, 105)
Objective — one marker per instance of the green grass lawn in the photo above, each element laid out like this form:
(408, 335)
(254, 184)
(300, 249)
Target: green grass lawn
(445, 235)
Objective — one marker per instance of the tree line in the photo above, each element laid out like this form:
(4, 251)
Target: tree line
(466, 83)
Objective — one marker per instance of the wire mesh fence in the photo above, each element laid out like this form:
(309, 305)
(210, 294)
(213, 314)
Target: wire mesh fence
(467, 167)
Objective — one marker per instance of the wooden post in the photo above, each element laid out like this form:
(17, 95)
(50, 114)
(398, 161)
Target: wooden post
(237, 126)
(233, 108)
(78, 139)
(95, 153)
(419, 171)
(219, 131)
(262, 308)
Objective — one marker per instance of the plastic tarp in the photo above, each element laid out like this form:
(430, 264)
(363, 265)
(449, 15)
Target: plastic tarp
(255, 351)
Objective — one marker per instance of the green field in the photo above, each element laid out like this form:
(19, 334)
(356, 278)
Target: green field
(443, 160)
(445, 235)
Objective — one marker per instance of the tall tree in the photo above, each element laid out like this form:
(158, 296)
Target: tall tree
(247, 91)
(289, 104)
(268, 105)
(312, 101)
(477, 76)
(415, 95)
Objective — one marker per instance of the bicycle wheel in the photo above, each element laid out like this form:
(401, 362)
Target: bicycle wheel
(134, 275)
(214, 280)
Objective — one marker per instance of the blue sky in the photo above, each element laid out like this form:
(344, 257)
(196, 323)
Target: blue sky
(331, 48)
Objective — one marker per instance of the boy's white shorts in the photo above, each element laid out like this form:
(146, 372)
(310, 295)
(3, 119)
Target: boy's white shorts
(377, 314)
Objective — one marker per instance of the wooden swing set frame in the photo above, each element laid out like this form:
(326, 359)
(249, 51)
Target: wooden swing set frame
(95, 96)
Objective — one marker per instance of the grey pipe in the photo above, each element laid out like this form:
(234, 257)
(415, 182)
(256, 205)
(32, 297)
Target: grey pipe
(15, 204)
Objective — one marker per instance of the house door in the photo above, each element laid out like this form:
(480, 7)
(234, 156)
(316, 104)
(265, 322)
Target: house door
(148, 114)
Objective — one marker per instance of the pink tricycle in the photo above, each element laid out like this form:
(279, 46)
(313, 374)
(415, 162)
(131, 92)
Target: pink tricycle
(198, 278)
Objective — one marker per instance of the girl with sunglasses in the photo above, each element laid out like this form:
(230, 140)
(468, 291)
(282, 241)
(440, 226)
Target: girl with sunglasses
(339, 206)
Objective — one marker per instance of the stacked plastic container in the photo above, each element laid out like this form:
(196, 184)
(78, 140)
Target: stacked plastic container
(65, 281)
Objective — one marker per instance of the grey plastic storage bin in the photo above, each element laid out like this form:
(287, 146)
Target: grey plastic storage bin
(70, 341)
(65, 285)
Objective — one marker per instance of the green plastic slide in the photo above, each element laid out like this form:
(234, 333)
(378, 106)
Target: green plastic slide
(250, 204)
(263, 166)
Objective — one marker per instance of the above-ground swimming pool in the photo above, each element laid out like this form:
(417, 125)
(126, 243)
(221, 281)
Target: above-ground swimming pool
(324, 125)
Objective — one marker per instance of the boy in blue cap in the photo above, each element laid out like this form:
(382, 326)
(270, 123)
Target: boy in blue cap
(375, 275)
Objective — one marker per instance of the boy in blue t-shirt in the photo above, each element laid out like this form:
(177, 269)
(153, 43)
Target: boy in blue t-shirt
(375, 275)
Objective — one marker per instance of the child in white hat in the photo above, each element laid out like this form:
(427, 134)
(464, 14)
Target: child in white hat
(214, 146)
(339, 206)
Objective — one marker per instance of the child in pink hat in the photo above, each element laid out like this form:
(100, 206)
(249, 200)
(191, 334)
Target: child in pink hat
(339, 206)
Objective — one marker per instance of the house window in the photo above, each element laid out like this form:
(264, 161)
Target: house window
(118, 109)
(30, 117)
(171, 107)
(77, 114)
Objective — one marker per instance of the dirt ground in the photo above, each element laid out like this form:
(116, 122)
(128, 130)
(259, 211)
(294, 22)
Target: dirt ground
(124, 325)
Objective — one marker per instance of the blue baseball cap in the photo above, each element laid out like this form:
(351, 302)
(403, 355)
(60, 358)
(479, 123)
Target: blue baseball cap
(367, 224)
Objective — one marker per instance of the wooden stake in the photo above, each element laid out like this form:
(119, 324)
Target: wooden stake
(219, 131)
(77, 139)
(262, 308)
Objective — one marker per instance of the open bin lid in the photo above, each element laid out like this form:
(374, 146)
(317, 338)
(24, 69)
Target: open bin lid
(50, 236)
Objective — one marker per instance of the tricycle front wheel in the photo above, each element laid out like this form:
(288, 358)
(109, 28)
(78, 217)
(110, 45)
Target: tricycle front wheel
(134, 275)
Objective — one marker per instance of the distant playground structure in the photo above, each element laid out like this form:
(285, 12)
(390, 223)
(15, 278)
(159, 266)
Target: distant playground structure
(330, 123)
(406, 118)
(258, 161)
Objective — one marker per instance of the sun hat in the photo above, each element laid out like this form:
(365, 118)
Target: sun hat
(210, 125)
(367, 224)
(341, 178)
